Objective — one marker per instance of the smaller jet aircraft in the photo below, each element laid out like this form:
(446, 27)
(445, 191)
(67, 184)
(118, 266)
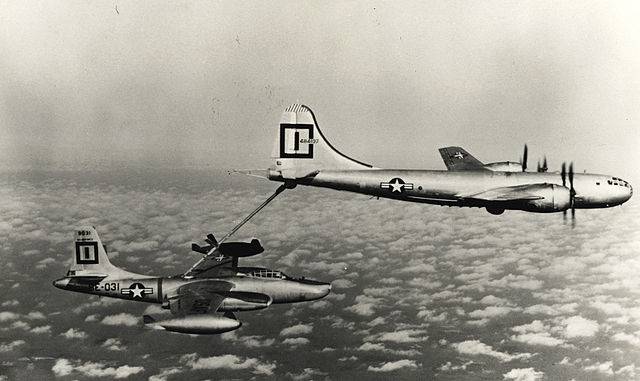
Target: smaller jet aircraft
(214, 284)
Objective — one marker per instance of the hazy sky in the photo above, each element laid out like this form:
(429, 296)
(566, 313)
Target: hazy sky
(204, 83)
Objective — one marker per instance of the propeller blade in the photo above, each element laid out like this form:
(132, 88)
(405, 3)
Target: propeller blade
(544, 164)
(572, 195)
(524, 158)
(563, 173)
(539, 168)
(571, 175)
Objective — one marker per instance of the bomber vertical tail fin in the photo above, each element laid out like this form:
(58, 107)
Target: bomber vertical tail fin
(301, 149)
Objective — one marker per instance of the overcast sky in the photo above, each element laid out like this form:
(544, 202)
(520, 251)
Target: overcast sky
(204, 83)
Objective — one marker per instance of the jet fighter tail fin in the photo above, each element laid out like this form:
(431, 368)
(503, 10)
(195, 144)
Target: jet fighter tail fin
(457, 159)
(301, 149)
(89, 258)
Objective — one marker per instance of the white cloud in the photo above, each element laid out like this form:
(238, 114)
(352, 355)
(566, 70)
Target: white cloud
(8, 315)
(523, 374)
(534, 326)
(377, 321)
(535, 333)
(538, 338)
(626, 337)
(342, 284)
(448, 366)
(364, 305)
(306, 374)
(41, 329)
(365, 347)
(121, 319)
(551, 310)
(295, 341)
(628, 371)
(64, 367)
(577, 326)
(297, 330)
(492, 311)
(393, 365)
(494, 300)
(8, 347)
(604, 368)
(475, 347)
(231, 362)
(114, 344)
(73, 333)
(35, 315)
(404, 336)
(164, 374)
(248, 341)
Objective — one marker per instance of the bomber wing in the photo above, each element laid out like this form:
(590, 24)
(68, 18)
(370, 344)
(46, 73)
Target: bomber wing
(514, 193)
(457, 159)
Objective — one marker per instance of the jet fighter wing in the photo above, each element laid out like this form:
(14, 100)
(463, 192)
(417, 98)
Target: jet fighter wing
(457, 159)
(199, 297)
(514, 193)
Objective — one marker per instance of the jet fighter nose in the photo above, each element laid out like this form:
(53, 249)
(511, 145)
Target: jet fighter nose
(319, 291)
(325, 290)
(61, 283)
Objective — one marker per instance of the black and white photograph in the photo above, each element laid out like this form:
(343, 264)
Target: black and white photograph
(319, 190)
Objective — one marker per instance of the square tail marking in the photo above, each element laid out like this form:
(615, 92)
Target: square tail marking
(296, 141)
(87, 253)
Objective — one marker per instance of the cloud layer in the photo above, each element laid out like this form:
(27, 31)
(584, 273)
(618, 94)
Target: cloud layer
(418, 290)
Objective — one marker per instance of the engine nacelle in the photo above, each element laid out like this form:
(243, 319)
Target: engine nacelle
(556, 198)
(504, 166)
(195, 324)
(244, 301)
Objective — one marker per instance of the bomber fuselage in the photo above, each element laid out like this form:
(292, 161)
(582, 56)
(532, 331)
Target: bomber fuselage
(447, 187)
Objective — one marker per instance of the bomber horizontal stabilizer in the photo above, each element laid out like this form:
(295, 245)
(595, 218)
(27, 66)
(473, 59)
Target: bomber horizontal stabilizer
(261, 173)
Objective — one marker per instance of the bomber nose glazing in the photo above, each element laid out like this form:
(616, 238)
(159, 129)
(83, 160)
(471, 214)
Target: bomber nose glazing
(627, 191)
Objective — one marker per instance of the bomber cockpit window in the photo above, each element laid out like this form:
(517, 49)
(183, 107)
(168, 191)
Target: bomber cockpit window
(610, 182)
(597, 182)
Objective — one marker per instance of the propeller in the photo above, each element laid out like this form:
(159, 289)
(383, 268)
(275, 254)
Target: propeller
(543, 167)
(524, 158)
(572, 192)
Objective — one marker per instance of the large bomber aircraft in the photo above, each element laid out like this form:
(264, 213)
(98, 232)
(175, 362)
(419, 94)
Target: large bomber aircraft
(303, 156)
(213, 284)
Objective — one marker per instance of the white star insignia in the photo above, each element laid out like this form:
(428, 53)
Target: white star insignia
(396, 186)
(459, 155)
(136, 292)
